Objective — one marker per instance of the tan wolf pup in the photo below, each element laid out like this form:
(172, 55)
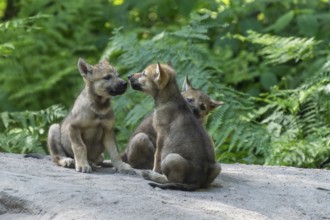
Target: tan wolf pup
(80, 140)
(141, 147)
(184, 157)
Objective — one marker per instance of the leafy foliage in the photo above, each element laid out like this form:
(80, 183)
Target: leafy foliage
(269, 61)
(282, 49)
(300, 124)
(44, 50)
(26, 132)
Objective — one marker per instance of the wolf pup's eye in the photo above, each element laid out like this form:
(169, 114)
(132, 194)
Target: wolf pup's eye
(107, 77)
(190, 100)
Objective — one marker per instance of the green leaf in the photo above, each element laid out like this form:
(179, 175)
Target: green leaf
(282, 22)
(308, 24)
(268, 80)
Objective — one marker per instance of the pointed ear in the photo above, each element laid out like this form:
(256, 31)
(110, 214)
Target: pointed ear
(84, 68)
(105, 61)
(169, 63)
(186, 85)
(215, 103)
(162, 77)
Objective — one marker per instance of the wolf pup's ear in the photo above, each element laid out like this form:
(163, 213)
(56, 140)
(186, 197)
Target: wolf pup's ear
(214, 103)
(105, 62)
(186, 85)
(162, 77)
(169, 63)
(84, 68)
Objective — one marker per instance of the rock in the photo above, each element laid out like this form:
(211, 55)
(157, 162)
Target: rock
(38, 189)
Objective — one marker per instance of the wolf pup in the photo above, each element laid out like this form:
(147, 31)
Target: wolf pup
(80, 140)
(184, 158)
(141, 147)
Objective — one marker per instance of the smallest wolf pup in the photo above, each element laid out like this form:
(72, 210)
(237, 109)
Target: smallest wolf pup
(80, 140)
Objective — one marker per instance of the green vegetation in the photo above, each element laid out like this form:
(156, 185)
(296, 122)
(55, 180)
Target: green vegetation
(268, 60)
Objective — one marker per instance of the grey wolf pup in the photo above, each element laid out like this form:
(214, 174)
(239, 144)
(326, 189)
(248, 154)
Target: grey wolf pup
(184, 158)
(141, 147)
(80, 140)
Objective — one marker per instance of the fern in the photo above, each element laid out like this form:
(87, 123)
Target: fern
(60, 41)
(302, 122)
(280, 116)
(240, 127)
(303, 153)
(22, 23)
(128, 53)
(6, 49)
(310, 117)
(282, 49)
(235, 129)
(25, 132)
(195, 30)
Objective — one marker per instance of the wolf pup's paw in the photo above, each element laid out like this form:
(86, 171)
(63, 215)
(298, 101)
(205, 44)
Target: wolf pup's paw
(93, 165)
(125, 169)
(146, 174)
(66, 162)
(84, 168)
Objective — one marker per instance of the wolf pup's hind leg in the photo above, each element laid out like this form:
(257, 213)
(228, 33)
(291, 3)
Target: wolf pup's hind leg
(55, 149)
(140, 152)
(213, 172)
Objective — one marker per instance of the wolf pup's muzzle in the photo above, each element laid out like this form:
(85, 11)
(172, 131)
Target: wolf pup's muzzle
(119, 89)
(134, 83)
(195, 110)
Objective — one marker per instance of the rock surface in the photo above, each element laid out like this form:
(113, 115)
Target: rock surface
(38, 189)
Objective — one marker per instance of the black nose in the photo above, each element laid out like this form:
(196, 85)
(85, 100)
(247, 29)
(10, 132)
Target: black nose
(124, 83)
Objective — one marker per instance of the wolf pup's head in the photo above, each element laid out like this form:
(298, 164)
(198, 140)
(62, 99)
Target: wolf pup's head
(200, 103)
(102, 78)
(152, 79)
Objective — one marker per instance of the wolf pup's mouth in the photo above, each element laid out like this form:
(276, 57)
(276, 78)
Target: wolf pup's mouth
(118, 90)
(135, 85)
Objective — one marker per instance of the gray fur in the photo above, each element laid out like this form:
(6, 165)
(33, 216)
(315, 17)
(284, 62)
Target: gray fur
(184, 157)
(87, 131)
(140, 149)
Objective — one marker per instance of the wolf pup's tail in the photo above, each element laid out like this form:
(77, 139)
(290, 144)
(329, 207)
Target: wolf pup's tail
(36, 156)
(176, 186)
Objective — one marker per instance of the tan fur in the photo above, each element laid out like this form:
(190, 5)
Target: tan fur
(184, 158)
(80, 140)
(200, 103)
(140, 149)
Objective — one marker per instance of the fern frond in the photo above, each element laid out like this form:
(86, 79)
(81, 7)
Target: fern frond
(20, 141)
(6, 49)
(195, 30)
(22, 22)
(25, 132)
(278, 49)
(44, 85)
(235, 129)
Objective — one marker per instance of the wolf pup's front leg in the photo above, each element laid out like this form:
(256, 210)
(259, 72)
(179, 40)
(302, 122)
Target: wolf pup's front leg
(157, 156)
(80, 150)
